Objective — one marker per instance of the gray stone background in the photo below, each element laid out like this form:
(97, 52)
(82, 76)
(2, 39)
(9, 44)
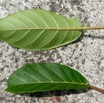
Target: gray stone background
(86, 55)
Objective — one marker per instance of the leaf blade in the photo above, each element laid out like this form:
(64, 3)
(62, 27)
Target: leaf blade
(38, 20)
(48, 76)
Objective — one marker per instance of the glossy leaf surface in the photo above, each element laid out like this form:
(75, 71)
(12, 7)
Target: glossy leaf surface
(38, 30)
(45, 77)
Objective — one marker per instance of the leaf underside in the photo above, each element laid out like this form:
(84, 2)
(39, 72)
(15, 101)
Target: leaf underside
(45, 77)
(38, 30)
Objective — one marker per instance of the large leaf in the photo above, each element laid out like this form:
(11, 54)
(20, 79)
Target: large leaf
(44, 77)
(38, 29)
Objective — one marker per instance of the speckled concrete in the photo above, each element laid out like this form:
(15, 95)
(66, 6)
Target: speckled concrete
(86, 55)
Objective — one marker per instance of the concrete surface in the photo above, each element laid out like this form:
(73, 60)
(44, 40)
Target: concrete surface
(86, 55)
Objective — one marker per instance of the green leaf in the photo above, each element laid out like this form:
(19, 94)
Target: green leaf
(38, 30)
(45, 77)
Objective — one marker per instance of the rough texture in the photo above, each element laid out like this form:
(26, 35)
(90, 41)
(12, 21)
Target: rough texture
(86, 55)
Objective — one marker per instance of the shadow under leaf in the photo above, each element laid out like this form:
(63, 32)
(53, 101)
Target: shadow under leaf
(95, 37)
(55, 93)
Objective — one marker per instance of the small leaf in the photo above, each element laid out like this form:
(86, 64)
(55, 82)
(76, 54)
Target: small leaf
(38, 30)
(45, 77)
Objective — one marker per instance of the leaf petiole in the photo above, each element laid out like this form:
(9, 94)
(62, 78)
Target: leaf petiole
(89, 28)
(96, 88)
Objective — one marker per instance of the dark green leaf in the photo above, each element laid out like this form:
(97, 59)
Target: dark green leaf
(45, 77)
(38, 29)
